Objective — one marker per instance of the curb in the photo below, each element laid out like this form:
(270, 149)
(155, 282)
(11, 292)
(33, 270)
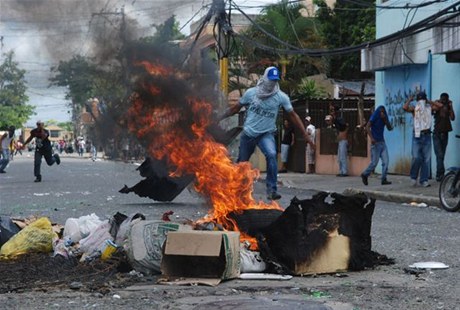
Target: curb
(379, 195)
(396, 197)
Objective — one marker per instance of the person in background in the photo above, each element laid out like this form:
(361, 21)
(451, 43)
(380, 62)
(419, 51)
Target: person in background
(6, 143)
(93, 152)
(81, 147)
(263, 103)
(342, 138)
(375, 128)
(310, 151)
(18, 148)
(421, 138)
(328, 120)
(42, 149)
(443, 113)
(286, 143)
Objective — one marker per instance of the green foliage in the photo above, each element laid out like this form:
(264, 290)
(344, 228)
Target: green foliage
(285, 21)
(346, 25)
(308, 89)
(166, 32)
(85, 79)
(66, 125)
(13, 108)
(78, 75)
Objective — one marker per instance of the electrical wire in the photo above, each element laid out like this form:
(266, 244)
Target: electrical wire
(425, 24)
(389, 7)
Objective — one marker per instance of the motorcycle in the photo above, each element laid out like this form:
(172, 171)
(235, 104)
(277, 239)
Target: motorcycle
(449, 189)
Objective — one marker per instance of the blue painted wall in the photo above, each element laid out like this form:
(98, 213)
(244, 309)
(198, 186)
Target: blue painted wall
(394, 85)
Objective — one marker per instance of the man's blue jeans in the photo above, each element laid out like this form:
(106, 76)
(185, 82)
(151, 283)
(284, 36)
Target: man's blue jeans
(266, 143)
(421, 155)
(5, 159)
(440, 141)
(378, 150)
(342, 156)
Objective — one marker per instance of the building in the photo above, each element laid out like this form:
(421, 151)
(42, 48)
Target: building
(56, 133)
(428, 60)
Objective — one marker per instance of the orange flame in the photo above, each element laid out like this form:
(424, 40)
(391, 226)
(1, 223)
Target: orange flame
(227, 186)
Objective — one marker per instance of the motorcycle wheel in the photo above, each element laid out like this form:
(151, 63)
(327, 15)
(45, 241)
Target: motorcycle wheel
(449, 201)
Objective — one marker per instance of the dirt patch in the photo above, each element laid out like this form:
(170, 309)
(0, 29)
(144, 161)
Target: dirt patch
(41, 272)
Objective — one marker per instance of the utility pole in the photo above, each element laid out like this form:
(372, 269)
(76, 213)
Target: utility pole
(123, 39)
(222, 43)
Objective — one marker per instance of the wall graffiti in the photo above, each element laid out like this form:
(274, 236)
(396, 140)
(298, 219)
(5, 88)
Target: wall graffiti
(394, 102)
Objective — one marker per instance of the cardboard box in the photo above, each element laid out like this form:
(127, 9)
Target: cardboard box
(145, 244)
(334, 257)
(200, 257)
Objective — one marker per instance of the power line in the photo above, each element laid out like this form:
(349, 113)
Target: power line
(425, 24)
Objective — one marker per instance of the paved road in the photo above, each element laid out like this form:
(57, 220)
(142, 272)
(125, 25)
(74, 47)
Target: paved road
(80, 186)
(408, 234)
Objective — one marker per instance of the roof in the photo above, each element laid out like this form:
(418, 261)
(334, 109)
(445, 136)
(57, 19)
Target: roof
(355, 86)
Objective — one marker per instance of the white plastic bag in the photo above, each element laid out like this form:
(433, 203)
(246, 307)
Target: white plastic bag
(96, 239)
(251, 262)
(77, 229)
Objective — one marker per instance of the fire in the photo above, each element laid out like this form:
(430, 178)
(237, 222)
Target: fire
(227, 186)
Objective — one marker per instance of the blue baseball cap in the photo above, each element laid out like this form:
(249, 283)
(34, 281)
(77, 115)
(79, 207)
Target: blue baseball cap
(272, 73)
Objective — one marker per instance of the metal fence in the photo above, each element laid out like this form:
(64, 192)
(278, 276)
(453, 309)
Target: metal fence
(317, 109)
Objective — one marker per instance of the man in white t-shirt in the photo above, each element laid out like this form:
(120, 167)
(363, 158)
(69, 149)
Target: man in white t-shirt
(81, 147)
(310, 151)
(6, 142)
(421, 138)
(262, 105)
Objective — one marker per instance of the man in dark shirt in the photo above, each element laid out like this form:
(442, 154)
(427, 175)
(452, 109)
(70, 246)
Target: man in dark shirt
(375, 128)
(42, 149)
(286, 143)
(443, 115)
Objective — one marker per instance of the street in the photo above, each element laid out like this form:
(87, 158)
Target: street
(80, 187)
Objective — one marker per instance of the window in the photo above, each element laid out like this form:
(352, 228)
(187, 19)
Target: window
(54, 133)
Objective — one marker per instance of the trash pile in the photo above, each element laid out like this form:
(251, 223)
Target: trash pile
(310, 237)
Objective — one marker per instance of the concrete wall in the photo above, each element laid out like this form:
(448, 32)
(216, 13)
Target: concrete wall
(328, 164)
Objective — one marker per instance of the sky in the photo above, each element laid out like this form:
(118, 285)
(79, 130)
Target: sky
(43, 32)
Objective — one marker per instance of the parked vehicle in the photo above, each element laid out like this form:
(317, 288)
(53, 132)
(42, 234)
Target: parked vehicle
(449, 189)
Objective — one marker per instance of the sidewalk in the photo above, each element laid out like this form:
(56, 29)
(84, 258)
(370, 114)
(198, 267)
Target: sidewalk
(400, 191)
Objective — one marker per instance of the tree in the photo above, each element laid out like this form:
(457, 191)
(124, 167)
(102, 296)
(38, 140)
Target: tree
(166, 32)
(286, 22)
(348, 23)
(66, 125)
(85, 79)
(13, 108)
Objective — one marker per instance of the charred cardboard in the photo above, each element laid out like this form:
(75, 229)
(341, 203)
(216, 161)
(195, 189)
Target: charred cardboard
(200, 257)
(334, 257)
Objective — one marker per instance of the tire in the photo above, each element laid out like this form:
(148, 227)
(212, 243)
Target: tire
(450, 202)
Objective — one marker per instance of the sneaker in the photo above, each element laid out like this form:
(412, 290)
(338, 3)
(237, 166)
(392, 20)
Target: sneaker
(282, 171)
(342, 175)
(2, 171)
(425, 184)
(273, 196)
(38, 179)
(57, 159)
(386, 182)
(364, 179)
(413, 182)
